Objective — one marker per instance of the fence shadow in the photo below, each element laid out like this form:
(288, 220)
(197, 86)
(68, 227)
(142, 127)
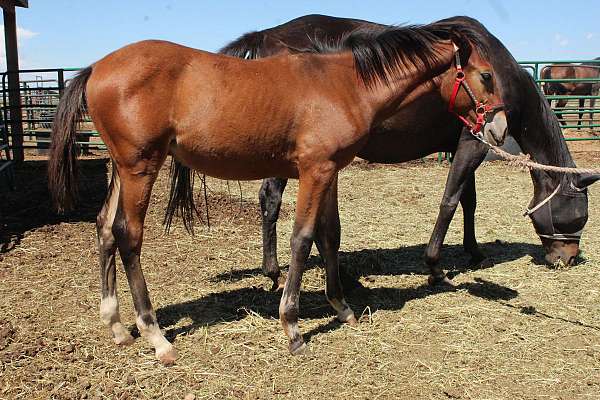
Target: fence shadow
(28, 207)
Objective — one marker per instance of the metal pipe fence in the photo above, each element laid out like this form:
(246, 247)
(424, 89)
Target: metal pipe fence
(40, 91)
(572, 108)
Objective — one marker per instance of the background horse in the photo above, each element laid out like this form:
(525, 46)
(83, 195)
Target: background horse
(303, 116)
(412, 134)
(572, 71)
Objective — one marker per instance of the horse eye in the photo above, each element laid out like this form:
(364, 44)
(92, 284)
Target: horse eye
(486, 76)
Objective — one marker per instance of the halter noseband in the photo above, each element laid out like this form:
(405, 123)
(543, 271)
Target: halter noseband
(481, 109)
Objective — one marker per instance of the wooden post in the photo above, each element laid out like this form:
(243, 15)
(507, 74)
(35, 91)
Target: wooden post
(12, 67)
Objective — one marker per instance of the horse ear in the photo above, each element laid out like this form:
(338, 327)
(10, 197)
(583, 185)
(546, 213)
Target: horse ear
(586, 180)
(464, 47)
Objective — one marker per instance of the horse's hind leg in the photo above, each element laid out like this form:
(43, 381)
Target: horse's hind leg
(136, 185)
(109, 304)
(559, 107)
(328, 242)
(269, 195)
(581, 108)
(592, 105)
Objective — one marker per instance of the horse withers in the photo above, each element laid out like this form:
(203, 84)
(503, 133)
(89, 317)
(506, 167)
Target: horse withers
(302, 116)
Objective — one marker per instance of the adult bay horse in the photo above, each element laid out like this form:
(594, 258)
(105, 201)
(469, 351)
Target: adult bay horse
(302, 116)
(590, 70)
(410, 134)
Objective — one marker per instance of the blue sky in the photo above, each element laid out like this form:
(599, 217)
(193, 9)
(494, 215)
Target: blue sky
(69, 33)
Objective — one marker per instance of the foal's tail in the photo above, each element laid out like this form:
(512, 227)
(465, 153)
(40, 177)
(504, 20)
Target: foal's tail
(181, 196)
(62, 165)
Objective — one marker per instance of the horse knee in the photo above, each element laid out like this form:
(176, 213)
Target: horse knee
(301, 243)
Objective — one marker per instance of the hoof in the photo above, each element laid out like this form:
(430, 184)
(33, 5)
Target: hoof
(167, 357)
(347, 317)
(278, 283)
(298, 348)
(121, 335)
(440, 281)
(124, 339)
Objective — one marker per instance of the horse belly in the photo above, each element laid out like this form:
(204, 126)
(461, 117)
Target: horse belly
(236, 159)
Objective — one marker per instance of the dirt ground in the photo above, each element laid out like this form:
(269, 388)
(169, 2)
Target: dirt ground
(516, 330)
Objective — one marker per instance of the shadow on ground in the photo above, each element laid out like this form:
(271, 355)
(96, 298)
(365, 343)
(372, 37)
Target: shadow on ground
(409, 260)
(235, 304)
(28, 206)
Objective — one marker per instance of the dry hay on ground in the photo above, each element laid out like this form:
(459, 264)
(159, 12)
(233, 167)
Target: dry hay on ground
(515, 330)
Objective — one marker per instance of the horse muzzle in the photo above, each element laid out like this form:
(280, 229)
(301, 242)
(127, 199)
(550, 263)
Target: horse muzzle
(495, 130)
(560, 251)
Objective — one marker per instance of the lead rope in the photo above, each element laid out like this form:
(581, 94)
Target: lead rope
(524, 160)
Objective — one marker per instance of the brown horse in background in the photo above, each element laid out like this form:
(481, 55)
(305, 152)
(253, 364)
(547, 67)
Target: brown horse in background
(302, 116)
(572, 71)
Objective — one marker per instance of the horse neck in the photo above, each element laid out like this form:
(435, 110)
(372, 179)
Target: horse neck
(542, 138)
(386, 99)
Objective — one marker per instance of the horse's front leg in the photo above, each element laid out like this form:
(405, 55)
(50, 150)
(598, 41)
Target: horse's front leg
(468, 202)
(469, 154)
(315, 180)
(270, 195)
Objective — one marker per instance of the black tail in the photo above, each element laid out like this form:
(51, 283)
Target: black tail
(248, 46)
(181, 196)
(62, 165)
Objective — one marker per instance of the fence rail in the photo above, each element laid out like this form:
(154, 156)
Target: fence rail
(40, 91)
(574, 104)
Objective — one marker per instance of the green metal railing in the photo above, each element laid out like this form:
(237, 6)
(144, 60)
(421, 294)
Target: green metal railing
(593, 124)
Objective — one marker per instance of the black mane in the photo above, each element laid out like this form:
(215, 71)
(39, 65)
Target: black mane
(382, 53)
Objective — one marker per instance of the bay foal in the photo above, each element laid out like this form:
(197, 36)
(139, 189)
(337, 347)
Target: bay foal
(299, 116)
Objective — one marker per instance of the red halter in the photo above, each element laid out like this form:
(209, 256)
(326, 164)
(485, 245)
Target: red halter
(480, 109)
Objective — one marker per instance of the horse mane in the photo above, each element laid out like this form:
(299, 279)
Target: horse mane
(381, 54)
(556, 150)
(248, 46)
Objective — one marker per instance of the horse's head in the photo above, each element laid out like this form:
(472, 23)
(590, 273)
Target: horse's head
(473, 92)
(559, 216)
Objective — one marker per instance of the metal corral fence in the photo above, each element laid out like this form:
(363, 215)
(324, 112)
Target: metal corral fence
(40, 91)
(580, 107)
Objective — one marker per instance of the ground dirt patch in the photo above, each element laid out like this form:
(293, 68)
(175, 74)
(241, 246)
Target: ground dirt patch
(516, 330)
